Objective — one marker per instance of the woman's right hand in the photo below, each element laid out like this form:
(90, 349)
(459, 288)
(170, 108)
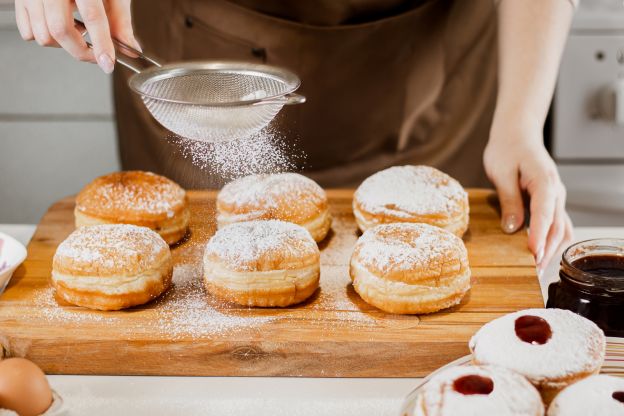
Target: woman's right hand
(51, 23)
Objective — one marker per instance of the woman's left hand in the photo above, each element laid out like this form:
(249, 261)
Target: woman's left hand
(518, 164)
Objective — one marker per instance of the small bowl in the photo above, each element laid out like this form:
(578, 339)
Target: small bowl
(12, 254)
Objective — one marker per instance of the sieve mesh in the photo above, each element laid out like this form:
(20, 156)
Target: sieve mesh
(213, 104)
(215, 87)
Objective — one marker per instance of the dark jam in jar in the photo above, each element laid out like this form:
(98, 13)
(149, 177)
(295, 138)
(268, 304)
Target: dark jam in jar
(592, 283)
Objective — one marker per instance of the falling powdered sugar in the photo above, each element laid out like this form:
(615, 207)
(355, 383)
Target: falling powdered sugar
(262, 152)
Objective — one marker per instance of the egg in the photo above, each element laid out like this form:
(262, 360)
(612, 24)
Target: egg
(24, 387)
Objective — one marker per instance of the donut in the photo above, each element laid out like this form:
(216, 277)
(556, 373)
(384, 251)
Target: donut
(553, 348)
(596, 395)
(138, 198)
(111, 267)
(478, 390)
(284, 196)
(407, 268)
(413, 194)
(262, 263)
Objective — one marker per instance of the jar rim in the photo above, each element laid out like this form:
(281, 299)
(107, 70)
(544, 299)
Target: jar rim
(588, 279)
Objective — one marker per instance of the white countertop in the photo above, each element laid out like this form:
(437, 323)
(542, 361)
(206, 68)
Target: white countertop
(260, 396)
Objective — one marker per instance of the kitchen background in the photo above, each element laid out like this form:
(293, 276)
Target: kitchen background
(57, 130)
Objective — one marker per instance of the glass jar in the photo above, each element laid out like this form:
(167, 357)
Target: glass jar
(592, 283)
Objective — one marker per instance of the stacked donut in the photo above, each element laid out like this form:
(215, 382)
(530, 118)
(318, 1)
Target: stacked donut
(520, 362)
(411, 258)
(264, 252)
(119, 255)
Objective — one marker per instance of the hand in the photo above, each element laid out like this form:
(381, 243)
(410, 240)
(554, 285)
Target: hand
(517, 163)
(51, 23)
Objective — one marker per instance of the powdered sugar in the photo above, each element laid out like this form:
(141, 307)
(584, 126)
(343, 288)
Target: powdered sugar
(263, 152)
(405, 246)
(132, 191)
(246, 246)
(512, 394)
(267, 192)
(185, 311)
(115, 247)
(577, 345)
(406, 191)
(188, 311)
(591, 396)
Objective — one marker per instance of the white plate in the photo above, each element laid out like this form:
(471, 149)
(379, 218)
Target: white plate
(12, 254)
(613, 365)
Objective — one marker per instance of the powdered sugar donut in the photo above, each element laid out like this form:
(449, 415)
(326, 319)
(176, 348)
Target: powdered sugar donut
(410, 268)
(111, 266)
(415, 194)
(138, 198)
(596, 395)
(262, 263)
(283, 196)
(553, 348)
(478, 390)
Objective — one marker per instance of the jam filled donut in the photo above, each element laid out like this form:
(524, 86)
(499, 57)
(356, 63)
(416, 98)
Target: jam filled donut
(410, 268)
(478, 390)
(262, 263)
(284, 196)
(138, 198)
(553, 348)
(596, 395)
(415, 194)
(110, 267)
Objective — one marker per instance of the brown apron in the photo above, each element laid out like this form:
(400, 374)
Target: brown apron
(387, 81)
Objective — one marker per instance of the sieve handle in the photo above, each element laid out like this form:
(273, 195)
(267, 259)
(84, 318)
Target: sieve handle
(286, 99)
(126, 55)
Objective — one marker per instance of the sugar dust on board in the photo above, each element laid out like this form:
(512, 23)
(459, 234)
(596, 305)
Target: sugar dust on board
(261, 153)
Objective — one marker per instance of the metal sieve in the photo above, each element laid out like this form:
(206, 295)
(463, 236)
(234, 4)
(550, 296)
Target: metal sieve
(209, 101)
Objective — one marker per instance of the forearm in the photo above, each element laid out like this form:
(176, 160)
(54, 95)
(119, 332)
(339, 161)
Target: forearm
(532, 35)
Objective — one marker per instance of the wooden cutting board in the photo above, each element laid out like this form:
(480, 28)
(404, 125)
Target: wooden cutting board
(334, 334)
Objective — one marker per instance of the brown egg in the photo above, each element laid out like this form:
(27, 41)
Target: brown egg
(24, 387)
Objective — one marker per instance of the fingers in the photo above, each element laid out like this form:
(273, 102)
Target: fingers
(120, 20)
(510, 197)
(559, 230)
(94, 17)
(60, 22)
(543, 204)
(22, 20)
(38, 24)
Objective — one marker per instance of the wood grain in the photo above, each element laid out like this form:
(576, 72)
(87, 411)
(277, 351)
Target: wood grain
(334, 334)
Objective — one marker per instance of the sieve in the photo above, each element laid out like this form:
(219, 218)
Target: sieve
(208, 100)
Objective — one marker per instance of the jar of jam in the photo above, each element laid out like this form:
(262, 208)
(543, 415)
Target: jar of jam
(592, 283)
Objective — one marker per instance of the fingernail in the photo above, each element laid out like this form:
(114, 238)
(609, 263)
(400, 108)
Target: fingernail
(106, 63)
(510, 224)
(137, 46)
